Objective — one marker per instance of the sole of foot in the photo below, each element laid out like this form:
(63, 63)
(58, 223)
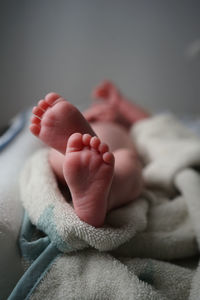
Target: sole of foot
(88, 170)
(55, 119)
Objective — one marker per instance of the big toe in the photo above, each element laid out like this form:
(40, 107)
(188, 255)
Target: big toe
(75, 142)
(52, 97)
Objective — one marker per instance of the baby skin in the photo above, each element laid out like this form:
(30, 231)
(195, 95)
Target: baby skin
(96, 161)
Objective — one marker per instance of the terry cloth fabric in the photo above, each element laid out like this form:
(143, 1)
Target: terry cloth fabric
(16, 145)
(147, 249)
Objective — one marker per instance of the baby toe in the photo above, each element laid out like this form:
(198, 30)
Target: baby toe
(108, 158)
(86, 139)
(75, 142)
(95, 142)
(51, 98)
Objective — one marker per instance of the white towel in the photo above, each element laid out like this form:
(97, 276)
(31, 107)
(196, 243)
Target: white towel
(127, 257)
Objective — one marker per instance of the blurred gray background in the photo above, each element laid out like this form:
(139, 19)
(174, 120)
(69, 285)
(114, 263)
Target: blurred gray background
(150, 49)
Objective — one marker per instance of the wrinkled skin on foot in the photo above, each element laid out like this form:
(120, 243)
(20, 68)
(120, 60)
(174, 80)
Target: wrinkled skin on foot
(88, 169)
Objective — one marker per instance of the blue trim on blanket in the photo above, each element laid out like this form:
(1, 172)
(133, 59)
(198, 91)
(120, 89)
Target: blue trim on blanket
(17, 125)
(32, 277)
(47, 224)
(41, 252)
(148, 273)
(30, 250)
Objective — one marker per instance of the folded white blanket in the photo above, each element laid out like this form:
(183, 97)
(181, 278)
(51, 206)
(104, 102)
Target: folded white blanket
(166, 147)
(127, 257)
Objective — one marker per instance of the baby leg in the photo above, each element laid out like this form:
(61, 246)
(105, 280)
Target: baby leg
(130, 111)
(127, 182)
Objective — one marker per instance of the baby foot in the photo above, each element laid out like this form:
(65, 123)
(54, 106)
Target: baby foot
(129, 112)
(55, 119)
(109, 110)
(88, 170)
(107, 91)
